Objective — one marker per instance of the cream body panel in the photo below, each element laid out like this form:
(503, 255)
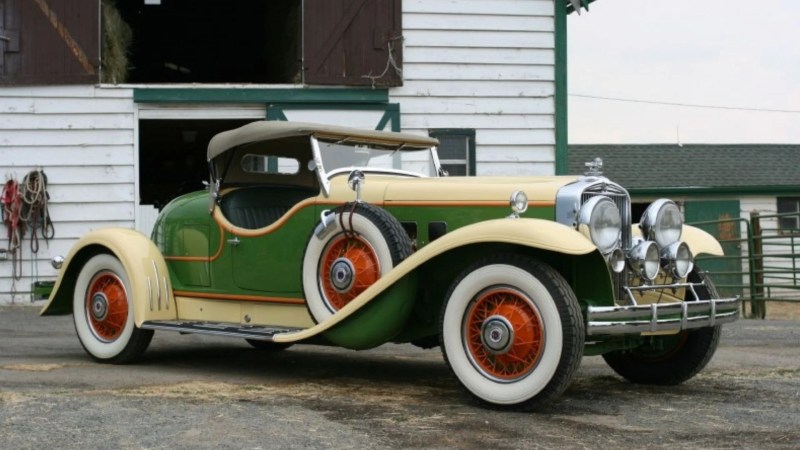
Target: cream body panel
(276, 314)
(150, 283)
(383, 190)
(201, 310)
(536, 233)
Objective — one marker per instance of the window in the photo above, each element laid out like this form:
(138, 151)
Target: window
(789, 205)
(456, 150)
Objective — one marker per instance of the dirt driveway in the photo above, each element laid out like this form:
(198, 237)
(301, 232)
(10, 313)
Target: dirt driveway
(203, 392)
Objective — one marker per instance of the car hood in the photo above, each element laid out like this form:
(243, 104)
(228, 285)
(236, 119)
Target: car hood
(384, 189)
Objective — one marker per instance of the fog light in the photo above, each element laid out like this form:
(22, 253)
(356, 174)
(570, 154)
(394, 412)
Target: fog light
(677, 259)
(644, 260)
(616, 261)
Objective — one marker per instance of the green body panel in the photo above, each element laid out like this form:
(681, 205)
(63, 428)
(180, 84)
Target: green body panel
(456, 217)
(380, 320)
(273, 262)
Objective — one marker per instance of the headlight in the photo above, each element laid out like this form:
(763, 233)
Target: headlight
(662, 222)
(677, 259)
(644, 259)
(600, 221)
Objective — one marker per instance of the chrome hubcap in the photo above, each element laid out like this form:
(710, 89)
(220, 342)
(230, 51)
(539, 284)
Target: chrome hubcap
(497, 334)
(342, 274)
(99, 306)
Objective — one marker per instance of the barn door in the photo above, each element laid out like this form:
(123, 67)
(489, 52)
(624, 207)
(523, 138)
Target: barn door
(352, 42)
(49, 41)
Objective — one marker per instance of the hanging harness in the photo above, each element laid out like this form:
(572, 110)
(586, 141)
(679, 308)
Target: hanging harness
(12, 206)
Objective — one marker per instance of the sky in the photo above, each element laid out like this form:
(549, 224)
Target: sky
(742, 54)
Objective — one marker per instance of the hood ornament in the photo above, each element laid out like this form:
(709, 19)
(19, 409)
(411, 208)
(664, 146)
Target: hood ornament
(594, 168)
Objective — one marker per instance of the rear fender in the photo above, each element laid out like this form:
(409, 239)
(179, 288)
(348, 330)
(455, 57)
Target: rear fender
(145, 267)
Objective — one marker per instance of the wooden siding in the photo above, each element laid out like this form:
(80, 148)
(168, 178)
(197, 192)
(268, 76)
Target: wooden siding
(484, 65)
(83, 138)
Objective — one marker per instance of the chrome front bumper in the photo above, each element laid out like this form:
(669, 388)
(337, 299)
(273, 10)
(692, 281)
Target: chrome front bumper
(605, 320)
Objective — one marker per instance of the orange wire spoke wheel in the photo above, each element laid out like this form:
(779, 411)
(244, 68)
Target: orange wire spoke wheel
(349, 265)
(503, 334)
(106, 306)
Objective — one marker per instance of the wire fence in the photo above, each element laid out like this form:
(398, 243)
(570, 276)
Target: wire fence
(761, 261)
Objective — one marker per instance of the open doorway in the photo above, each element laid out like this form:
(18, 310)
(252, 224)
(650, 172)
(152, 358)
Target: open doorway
(172, 156)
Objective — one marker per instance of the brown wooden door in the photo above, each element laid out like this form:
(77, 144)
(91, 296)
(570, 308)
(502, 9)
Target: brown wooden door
(49, 41)
(352, 42)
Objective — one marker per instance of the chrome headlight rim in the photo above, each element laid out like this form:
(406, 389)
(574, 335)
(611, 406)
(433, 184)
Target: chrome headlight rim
(644, 260)
(606, 239)
(662, 222)
(677, 259)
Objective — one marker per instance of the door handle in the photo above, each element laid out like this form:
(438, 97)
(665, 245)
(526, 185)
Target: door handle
(235, 241)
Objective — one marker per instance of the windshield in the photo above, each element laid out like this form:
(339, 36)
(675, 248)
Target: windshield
(344, 155)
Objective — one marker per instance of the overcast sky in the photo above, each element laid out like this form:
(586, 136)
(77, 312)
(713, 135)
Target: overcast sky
(732, 53)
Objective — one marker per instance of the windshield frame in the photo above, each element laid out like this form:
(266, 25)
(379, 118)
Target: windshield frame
(317, 165)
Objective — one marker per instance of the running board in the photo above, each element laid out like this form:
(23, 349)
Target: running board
(260, 333)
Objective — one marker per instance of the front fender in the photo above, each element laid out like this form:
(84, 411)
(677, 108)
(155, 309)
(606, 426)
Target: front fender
(146, 269)
(535, 233)
(701, 242)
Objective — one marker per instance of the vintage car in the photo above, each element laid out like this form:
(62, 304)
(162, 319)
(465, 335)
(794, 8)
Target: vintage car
(336, 236)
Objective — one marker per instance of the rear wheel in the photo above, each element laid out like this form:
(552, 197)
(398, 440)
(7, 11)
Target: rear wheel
(103, 312)
(512, 331)
(673, 359)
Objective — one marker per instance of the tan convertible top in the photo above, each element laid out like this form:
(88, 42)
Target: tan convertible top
(270, 130)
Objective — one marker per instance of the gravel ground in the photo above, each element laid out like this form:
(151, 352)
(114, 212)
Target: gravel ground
(204, 392)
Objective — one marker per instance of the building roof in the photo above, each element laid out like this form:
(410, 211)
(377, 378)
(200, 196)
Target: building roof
(695, 167)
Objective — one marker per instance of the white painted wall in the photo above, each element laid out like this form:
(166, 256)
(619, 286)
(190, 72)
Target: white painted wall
(83, 139)
(487, 65)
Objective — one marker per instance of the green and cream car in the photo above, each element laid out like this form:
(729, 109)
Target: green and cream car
(329, 235)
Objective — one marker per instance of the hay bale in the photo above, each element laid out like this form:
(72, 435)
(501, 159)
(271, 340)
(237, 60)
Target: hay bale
(117, 37)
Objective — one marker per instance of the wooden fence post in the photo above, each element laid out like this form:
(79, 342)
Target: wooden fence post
(758, 307)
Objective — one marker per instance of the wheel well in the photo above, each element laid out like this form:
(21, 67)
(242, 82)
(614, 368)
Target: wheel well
(62, 302)
(587, 275)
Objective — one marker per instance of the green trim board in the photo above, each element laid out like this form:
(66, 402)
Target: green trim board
(711, 190)
(562, 148)
(391, 111)
(259, 95)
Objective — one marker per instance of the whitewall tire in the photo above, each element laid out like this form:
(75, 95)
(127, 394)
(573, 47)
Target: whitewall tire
(512, 331)
(103, 312)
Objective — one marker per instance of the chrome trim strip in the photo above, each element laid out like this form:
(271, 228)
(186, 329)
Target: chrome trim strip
(150, 292)
(679, 316)
(158, 286)
(166, 293)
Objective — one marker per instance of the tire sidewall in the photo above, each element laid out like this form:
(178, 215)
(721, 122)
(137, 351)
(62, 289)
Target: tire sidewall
(453, 340)
(365, 229)
(94, 346)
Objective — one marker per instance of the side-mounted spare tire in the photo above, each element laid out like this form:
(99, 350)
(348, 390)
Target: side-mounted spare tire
(361, 244)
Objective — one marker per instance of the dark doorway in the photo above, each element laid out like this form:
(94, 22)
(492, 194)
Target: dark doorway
(172, 156)
(204, 41)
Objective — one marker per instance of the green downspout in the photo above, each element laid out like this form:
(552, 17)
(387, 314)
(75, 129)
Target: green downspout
(562, 152)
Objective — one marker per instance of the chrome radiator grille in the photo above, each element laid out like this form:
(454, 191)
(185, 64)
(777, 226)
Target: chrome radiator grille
(623, 202)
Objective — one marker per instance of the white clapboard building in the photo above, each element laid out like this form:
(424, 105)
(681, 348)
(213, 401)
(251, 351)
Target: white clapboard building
(116, 101)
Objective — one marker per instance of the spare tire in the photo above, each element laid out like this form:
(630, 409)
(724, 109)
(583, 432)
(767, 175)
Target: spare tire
(362, 244)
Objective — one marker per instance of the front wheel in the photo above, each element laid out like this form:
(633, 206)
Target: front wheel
(673, 359)
(512, 331)
(103, 312)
